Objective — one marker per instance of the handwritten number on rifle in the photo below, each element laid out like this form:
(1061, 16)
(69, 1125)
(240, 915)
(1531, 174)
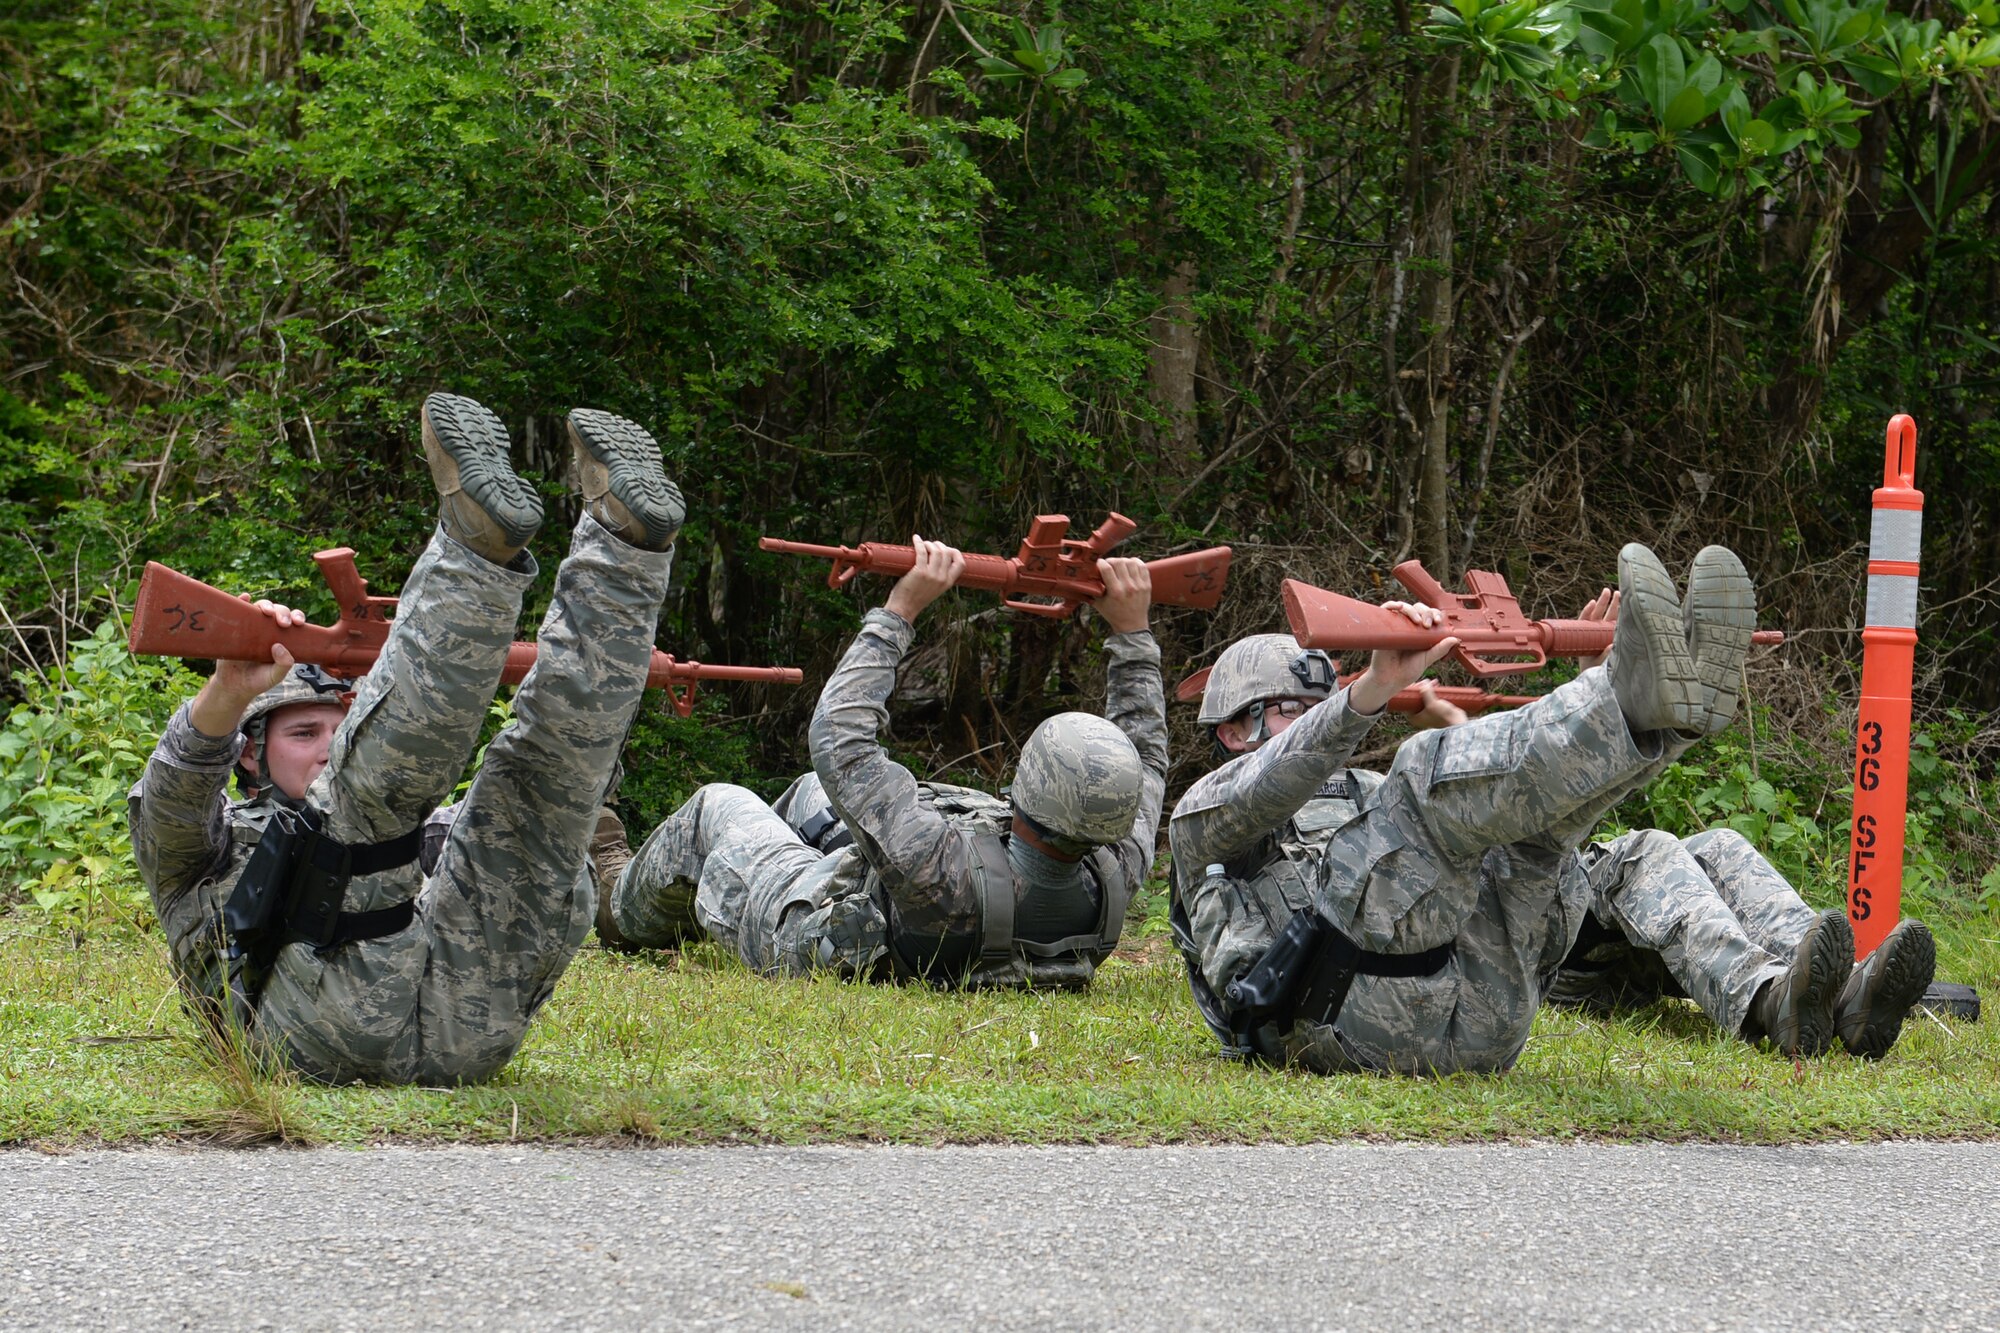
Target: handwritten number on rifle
(183, 618)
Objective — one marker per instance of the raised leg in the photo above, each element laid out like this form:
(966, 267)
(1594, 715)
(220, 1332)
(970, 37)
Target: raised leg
(511, 901)
(1404, 876)
(418, 711)
(1671, 900)
(348, 1014)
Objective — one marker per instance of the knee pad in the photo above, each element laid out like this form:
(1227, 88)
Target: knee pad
(847, 936)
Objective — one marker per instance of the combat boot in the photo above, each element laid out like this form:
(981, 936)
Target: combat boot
(1885, 988)
(609, 855)
(623, 481)
(1651, 668)
(1721, 614)
(1796, 1010)
(481, 502)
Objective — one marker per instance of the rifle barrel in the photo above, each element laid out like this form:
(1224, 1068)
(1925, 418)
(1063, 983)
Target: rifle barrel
(784, 547)
(711, 671)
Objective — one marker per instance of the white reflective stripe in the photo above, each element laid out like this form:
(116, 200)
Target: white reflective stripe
(1897, 534)
(1892, 601)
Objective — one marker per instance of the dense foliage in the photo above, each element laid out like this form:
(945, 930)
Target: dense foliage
(1498, 284)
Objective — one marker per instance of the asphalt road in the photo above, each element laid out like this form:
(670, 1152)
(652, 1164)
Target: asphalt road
(1897, 1236)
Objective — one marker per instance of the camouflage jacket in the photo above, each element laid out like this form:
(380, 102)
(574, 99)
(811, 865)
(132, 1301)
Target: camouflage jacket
(191, 842)
(1237, 813)
(1264, 817)
(923, 862)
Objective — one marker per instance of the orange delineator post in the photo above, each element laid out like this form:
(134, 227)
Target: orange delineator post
(1888, 661)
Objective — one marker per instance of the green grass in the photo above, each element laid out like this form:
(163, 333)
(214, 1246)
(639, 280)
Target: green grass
(693, 1049)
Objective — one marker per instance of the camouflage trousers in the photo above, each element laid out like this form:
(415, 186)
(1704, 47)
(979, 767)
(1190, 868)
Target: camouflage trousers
(449, 998)
(741, 871)
(1706, 917)
(1471, 840)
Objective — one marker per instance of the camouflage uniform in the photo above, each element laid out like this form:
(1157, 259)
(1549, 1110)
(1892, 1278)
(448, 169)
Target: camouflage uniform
(913, 880)
(449, 998)
(1705, 918)
(1469, 839)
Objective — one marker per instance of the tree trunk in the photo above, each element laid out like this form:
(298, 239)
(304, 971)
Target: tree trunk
(1433, 172)
(1170, 369)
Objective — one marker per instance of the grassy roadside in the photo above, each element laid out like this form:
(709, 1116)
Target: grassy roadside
(693, 1049)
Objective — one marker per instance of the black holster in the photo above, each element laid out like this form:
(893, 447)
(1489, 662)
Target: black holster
(290, 892)
(1304, 976)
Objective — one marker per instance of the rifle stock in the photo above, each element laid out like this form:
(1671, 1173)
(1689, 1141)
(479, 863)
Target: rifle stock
(1048, 565)
(178, 616)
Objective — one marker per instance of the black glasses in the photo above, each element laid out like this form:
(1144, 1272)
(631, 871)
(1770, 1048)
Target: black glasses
(1255, 715)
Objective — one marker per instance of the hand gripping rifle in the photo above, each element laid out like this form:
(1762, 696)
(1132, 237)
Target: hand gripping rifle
(1050, 564)
(176, 616)
(1467, 697)
(1495, 638)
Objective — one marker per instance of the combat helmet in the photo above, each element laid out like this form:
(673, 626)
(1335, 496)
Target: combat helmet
(1079, 779)
(1260, 667)
(303, 684)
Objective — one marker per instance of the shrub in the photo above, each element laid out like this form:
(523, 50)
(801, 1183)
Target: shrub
(668, 756)
(68, 755)
(1792, 803)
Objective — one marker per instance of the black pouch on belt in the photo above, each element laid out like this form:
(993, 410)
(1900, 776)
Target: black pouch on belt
(291, 891)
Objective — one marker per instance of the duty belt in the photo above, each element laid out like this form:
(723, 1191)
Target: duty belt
(1305, 976)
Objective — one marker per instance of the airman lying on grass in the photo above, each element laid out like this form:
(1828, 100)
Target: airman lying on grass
(864, 870)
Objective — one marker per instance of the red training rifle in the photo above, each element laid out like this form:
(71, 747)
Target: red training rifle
(1495, 637)
(1467, 697)
(1050, 564)
(178, 616)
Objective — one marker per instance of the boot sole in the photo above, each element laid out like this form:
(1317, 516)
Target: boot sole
(1906, 975)
(1651, 607)
(467, 449)
(1721, 612)
(625, 466)
(1830, 942)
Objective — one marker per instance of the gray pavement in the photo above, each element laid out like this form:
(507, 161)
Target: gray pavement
(1894, 1236)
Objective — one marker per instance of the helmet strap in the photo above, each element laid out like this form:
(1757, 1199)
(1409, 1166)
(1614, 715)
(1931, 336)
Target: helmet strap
(1032, 835)
(1262, 729)
(252, 784)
